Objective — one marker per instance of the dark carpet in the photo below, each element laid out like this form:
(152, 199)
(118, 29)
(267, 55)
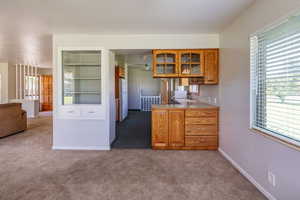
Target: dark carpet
(135, 131)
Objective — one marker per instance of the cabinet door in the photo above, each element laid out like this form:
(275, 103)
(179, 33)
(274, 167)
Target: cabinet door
(211, 67)
(160, 128)
(176, 128)
(191, 63)
(165, 63)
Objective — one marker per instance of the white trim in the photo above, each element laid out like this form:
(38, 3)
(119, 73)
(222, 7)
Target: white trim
(247, 175)
(277, 135)
(106, 148)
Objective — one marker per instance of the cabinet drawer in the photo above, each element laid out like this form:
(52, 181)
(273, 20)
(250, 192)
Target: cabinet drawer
(70, 111)
(201, 130)
(201, 141)
(201, 113)
(209, 120)
(91, 112)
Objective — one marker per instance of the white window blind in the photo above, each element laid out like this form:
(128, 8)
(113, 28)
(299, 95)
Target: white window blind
(275, 80)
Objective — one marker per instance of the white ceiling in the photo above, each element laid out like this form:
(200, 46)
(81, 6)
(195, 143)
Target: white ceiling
(27, 25)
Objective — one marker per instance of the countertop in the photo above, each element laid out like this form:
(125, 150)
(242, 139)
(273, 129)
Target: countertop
(184, 104)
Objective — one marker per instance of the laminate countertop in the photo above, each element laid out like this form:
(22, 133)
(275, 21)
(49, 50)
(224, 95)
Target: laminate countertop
(184, 104)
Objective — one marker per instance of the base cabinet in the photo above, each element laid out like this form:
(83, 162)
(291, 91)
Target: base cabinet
(160, 128)
(176, 128)
(185, 129)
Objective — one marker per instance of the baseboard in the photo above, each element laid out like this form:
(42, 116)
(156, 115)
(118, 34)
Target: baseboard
(81, 148)
(248, 176)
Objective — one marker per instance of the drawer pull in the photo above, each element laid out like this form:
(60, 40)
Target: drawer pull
(71, 111)
(91, 112)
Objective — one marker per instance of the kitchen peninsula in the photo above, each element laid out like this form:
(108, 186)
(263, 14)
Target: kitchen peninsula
(185, 125)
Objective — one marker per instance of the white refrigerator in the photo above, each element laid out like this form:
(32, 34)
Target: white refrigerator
(123, 99)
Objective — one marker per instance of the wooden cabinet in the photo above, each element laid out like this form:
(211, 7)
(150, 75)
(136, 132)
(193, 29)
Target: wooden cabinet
(185, 129)
(46, 92)
(211, 71)
(160, 128)
(176, 128)
(165, 63)
(120, 72)
(201, 128)
(190, 63)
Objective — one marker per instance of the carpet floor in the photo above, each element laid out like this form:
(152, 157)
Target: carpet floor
(135, 131)
(30, 170)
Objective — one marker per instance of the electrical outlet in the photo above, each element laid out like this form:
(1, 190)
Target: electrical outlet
(272, 178)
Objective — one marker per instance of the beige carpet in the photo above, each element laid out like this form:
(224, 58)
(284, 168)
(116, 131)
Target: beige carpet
(30, 170)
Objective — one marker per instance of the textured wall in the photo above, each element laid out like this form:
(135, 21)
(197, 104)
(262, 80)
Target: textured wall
(255, 153)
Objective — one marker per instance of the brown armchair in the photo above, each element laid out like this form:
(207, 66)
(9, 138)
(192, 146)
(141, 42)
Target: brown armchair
(12, 119)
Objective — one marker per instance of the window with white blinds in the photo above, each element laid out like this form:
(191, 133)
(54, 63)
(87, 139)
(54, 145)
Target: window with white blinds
(275, 81)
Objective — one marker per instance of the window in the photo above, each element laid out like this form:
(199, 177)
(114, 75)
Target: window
(31, 87)
(275, 81)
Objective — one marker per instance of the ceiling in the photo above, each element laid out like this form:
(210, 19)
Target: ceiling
(27, 25)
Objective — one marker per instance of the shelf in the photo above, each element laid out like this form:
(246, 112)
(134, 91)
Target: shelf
(81, 65)
(82, 93)
(165, 63)
(83, 79)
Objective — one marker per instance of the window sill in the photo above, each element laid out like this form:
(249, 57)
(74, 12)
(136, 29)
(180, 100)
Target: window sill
(276, 139)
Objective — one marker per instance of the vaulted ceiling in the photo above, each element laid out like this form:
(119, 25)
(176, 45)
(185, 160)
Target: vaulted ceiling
(27, 26)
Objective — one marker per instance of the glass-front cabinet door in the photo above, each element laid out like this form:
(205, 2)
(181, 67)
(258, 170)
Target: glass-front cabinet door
(191, 63)
(165, 63)
(81, 77)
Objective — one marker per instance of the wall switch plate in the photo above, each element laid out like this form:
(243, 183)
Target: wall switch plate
(272, 178)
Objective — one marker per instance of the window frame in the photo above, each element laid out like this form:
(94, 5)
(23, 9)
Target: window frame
(281, 138)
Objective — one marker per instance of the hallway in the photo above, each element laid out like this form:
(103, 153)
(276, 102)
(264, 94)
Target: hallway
(134, 131)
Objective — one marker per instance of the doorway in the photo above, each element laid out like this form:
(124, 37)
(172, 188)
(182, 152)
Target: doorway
(46, 93)
(134, 129)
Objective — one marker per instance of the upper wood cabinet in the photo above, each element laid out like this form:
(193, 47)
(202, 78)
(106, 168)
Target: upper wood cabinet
(191, 63)
(211, 71)
(165, 63)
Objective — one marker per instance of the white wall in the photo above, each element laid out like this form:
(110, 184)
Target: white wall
(8, 82)
(4, 82)
(112, 105)
(11, 81)
(140, 81)
(45, 71)
(254, 153)
(140, 41)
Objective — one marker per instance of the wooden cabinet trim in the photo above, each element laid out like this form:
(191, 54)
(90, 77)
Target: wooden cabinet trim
(203, 121)
(201, 113)
(160, 128)
(198, 130)
(176, 128)
(201, 141)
